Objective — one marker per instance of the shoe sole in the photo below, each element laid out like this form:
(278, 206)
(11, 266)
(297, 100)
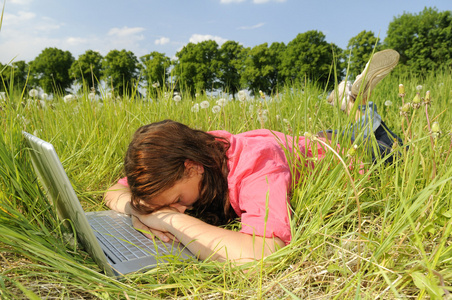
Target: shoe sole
(380, 65)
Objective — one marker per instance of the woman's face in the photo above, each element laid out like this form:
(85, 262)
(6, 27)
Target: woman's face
(184, 193)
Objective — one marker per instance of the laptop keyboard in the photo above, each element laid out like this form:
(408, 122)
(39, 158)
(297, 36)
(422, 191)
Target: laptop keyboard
(122, 239)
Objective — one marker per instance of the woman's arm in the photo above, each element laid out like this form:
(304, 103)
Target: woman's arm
(118, 198)
(202, 239)
(208, 241)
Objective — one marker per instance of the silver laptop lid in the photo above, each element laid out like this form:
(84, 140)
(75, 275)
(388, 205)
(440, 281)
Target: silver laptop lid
(53, 178)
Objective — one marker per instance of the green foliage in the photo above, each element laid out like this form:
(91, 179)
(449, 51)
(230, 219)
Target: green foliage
(359, 50)
(197, 66)
(87, 69)
(423, 40)
(310, 56)
(50, 70)
(155, 68)
(13, 75)
(231, 64)
(120, 71)
(260, 72)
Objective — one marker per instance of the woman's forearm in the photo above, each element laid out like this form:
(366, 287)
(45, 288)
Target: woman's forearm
(207, 241)
(118, 198)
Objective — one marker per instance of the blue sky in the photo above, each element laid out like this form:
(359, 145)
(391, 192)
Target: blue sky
(143, 26)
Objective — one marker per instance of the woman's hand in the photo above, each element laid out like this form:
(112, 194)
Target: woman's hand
(151, 225)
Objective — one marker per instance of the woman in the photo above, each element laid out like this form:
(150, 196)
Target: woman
(218, 176)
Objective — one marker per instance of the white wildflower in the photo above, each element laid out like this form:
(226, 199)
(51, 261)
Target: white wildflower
(177, 98)
(204, 104)
(196, 95)
(156, 84)
(251, 108)
(68, 98)
(419, 87)
(242, 95)
(109, 95)
(91, 96)
(33, 93)
(263, 118)
(42, 104)
(195, 108)
(388, 103)
(216, 109)
(45, 96)
(222, 102)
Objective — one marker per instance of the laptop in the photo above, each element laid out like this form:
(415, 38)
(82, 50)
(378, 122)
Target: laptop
(108, 236)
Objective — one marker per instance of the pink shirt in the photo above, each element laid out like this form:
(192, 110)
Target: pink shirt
(259, 179)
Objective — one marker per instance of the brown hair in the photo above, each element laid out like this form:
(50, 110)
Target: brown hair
(155, 161)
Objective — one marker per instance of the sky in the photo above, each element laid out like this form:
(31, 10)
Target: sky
(144, 26)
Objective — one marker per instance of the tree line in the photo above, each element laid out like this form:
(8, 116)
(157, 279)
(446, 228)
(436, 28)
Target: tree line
(424, 41)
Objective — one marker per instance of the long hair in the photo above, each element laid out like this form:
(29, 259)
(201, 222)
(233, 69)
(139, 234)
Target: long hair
(155, 161)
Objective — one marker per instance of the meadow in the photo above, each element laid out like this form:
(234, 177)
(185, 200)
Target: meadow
(382, 233)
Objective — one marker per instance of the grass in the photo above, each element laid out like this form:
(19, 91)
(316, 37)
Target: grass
(400, 248)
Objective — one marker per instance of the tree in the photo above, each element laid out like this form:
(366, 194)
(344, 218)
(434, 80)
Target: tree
(14, 75)
(423, 40)
(50, 70)
(231, 62)
(87, 69)
(261, 71)
(359, 50)
(120, 71)
(155, 68)
(197, 66)
(309, 55)
(276, 53)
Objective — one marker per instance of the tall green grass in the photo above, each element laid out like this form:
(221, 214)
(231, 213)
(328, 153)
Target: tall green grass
(401, 248)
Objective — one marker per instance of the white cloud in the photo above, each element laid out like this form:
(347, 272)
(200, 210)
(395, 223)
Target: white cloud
(231, 1)
(162, 41)
(76, 41)
(252, 27)
(20, 18)
(196, 38)
(125, 31)
(20, 2)
(265, 1)
(254, 1)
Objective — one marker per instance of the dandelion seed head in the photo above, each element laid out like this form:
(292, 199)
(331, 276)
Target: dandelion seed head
(216, 109)
(419, 87)
(204, 104)
(68, 98)
(195, 108)
(263, 118)
(222, 102)
(33, 93)
(242, 95)
(388, 103)
(177, 98)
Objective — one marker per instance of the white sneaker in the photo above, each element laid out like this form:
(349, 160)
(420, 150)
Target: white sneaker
(380, 64)
(342, 93)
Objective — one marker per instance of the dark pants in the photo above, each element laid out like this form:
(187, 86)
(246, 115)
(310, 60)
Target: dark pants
(385, 140)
